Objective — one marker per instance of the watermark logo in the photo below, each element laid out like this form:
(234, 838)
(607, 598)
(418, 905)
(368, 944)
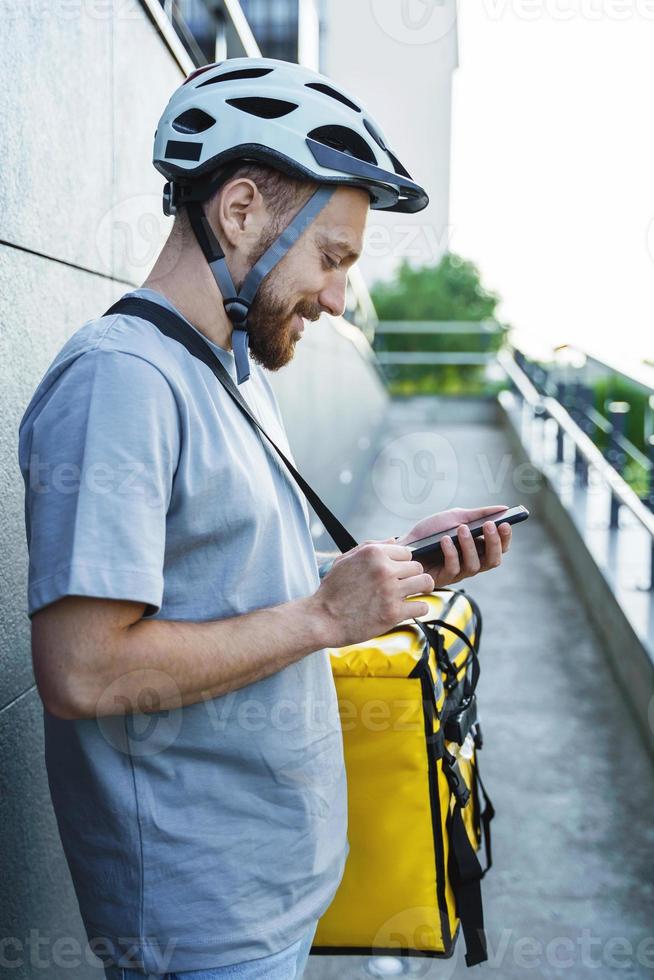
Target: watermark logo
(415, 241)
(72, 10)
(563, 11)
(145, 721)
(130, 479)
(407, 930)
(130, 235)
(416, 474)
(415, 21)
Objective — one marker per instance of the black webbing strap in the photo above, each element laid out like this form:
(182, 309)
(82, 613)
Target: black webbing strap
(466, 874)
(485, 817)
(175, 327)
(451, 669)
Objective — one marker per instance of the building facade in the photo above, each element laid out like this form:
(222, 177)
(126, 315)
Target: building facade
(400, 58)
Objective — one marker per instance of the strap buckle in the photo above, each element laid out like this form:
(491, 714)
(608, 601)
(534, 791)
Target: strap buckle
(170, 199)
(237, 309)
(460, 723)
(456, 782)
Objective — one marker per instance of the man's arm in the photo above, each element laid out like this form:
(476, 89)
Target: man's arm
(97, 657)
(93, 655)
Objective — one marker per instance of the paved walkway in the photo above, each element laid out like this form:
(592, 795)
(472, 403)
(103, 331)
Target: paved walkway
(571, 894)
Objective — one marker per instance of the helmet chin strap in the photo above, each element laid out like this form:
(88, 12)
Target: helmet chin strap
(237, 303)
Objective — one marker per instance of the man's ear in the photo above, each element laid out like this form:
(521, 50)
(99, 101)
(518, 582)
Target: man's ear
(238, 211)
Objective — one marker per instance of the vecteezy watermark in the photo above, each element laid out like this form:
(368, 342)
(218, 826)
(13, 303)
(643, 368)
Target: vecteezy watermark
(139, 713)
(584, 949)
(416, 474)
(69, 10)
(131, 233)
(129, 478)
(314, 715)
(567, 10)
(412, 929)
(417, 241)
(39, 952)
(416, 928)
(415, 21)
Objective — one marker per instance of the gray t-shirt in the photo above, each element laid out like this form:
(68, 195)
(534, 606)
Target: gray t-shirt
(214, 833)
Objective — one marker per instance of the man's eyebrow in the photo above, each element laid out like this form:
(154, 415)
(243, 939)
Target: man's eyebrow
(342, 244)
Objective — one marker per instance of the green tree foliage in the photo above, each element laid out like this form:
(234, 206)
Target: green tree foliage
(616, 388)
(450, 290)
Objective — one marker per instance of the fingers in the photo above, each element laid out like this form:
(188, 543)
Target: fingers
(505, 532)
(470, 560)
(493, 549)
(449, 570)
(381, 551)
(411, 608)
(406, 569)
(398, 552)
(417, 585)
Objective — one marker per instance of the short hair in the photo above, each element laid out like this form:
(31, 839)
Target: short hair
(281, 192)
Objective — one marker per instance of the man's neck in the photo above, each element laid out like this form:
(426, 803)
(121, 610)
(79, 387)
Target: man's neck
(182, 275)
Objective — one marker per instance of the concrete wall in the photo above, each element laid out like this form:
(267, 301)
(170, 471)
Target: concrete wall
(79, 223)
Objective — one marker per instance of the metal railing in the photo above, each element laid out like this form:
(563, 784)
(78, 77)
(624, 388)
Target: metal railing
(577, 397)
(210, 31)
(548, 398)
(486, 331)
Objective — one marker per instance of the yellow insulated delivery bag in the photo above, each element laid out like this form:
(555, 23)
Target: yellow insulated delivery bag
(410, 730)
(411, 735)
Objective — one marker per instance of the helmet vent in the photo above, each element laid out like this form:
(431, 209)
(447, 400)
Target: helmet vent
(344, 139)
(201, 71)
(193, 121)
(374, 133)
(264, 108)
(328, 90)
(397, 166)
(230, 76)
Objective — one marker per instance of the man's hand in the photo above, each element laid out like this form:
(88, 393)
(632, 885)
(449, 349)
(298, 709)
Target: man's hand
(365, 593)
(475, 556)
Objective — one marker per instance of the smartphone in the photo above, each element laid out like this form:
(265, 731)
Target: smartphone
(430, 548)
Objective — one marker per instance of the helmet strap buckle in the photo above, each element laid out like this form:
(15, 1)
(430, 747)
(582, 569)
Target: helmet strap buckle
(170, 199)
(237, 309)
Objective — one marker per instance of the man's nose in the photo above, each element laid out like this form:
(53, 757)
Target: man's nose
(332, 298)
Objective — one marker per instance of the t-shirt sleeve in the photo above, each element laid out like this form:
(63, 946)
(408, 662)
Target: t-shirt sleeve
(98, 459)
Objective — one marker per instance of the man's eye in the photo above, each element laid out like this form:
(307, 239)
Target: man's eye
(329, 261)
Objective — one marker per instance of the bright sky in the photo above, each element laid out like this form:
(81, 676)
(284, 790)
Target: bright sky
(552, 181)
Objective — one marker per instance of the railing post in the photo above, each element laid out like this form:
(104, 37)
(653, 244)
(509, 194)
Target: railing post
(649, 420)
(561, 398)
(615, 455)
(649, 500)
(576, 413)
(584, 400)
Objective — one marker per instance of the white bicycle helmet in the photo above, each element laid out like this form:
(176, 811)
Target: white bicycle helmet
(284, 116)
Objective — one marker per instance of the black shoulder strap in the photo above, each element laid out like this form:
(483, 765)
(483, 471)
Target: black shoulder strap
(175, 327)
